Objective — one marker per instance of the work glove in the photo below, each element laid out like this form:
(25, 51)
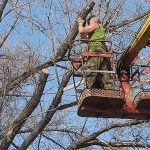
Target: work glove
(80, 21)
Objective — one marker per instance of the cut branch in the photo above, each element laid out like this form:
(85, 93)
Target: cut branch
(38, 129)
(31, 105)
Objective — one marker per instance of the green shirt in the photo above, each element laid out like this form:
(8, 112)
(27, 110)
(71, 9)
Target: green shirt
(97, 34)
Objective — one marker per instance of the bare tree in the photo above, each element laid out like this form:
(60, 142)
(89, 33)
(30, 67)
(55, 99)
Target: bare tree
(35, 110)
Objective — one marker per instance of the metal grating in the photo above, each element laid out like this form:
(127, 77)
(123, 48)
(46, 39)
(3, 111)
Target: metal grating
(102, 98)
(103, 93)
(142, 100)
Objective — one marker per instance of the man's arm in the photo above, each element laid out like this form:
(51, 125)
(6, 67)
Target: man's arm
(87, 29)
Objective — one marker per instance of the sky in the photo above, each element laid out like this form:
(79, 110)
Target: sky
(42, 45)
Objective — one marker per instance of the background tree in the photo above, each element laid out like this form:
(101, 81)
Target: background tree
(36, 112)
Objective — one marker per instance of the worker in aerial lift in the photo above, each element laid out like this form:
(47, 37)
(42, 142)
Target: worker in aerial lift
(96, 31)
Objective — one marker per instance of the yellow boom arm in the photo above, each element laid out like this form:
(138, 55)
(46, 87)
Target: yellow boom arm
(139, 42)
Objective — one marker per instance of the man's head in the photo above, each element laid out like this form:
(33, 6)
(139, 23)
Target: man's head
(93, 18)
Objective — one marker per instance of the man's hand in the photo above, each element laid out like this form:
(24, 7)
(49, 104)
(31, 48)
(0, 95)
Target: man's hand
(80, 21)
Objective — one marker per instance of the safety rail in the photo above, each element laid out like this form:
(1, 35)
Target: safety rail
(141, 72)
(82, 56)
(86, 40)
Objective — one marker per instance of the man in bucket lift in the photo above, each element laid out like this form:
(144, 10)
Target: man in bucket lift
(96, 31)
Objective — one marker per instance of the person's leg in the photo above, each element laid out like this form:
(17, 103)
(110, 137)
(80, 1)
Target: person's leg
(91, 76)
(98, 80)
(105, 79)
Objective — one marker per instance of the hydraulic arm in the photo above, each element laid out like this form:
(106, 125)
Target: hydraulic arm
(140, 41)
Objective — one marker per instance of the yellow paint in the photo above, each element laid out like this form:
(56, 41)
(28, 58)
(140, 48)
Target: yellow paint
(142, 37)
(139, 42)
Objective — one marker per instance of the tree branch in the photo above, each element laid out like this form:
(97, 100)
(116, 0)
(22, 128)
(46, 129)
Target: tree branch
(116, 144)
(6, 36)
(126, 22)
(2, 7)
(50, 130)
(78, 143)
(53, 141)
